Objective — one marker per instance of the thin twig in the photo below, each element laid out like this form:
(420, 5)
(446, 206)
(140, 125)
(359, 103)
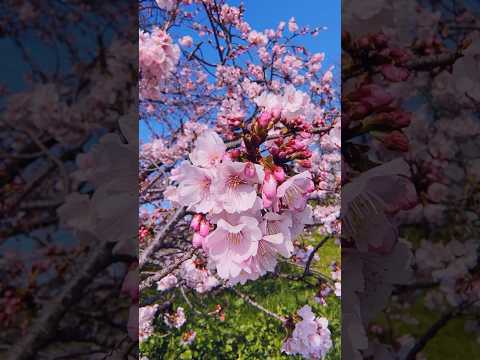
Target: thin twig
(155, 244)
(160, 275)
(307, 270)
(258, 306)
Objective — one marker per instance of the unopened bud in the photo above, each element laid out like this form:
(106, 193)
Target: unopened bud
(279, 174)
(204, 228)
(264, 119)
(196, 220)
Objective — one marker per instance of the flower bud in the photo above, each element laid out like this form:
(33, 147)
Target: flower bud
(274, 150)
(204, 228)
(197, 240)
(307, 164)
(234, 154)
(269, 188)
(266, 201)
(395, 140)
(276, 114)
(264, 119)
(279, 174)
(196, 220)
(249, 170)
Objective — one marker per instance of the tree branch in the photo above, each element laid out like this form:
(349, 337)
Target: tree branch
(155, 244)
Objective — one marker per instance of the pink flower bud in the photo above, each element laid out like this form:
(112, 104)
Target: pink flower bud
(276, 114)
(394, 73)
(234, 154)
(264, 119)
(298, 145)
(274, 150)
(197, 240)
(204, 228)
(364, 42)
(307, 164)
(196, 220)
(269, 188)
(279, 174)
(310, 187)
(249, 170)
(266, 201)
(395, 140)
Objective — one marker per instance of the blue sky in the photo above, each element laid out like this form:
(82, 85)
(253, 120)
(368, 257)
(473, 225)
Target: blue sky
(264, 14)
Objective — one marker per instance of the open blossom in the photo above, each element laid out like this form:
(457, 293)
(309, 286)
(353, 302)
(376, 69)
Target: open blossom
(188, 337)
(166, 4)
(257, 38)
(146, 316)
(301, 254)
(195, 189)
(269, 247)
(311, 337)
(186, 41)
(237, 186)
(292, 25)
(209, 150)
(198, 276)
(167, 282)
(291, 104)
(269, 101)
(294, 192)
(233, 242)
(294, 102)
(176, 319)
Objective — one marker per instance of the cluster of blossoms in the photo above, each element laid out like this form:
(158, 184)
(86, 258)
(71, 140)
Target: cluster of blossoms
(325, 289)
(195, 274)
(337, 277)
(159, 150)
(158, 58)
(146, 316)
(246, 214)
(311, 336)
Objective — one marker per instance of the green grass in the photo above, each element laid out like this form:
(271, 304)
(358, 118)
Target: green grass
(246, 332)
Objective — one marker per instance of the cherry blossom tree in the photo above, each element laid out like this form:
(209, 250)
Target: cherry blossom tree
(240, 164)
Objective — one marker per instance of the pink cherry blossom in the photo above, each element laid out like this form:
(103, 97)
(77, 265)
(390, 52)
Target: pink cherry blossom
(292, 25)
(195, 189)
(257, 38)
(175, 319)
(209, 150)
(167, 282)
(233, 242)
(186, 41)
(166, 4)
(188, 337)
(311, 337)
(237, 192)
(146, 316)
(294, 192)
